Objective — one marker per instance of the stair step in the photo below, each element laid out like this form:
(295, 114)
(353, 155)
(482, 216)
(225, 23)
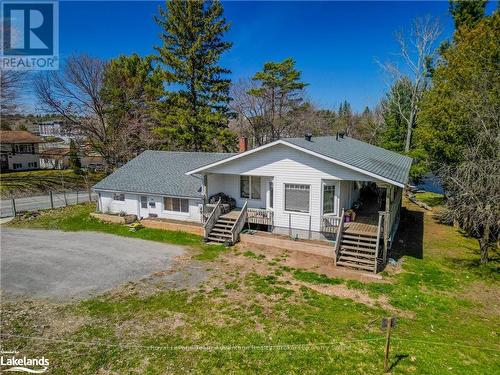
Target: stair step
(216, 239)
(357, 248)
(359, 243)
(221, 230)
(226, 219)
(354, 253)
(362, 238)
(224, 235)
(343, 258)
(359, 233)
(223, 226)
(354, 265)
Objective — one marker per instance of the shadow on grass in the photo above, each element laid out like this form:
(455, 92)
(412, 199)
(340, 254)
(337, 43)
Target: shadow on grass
(399, 358)
(410, 235)
(490, 270)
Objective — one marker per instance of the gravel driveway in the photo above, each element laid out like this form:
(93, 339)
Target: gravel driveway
(62, 265)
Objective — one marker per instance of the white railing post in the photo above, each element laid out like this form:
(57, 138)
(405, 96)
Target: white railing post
(239, 223)
(212, 219)
(339, 238)
(379, 230)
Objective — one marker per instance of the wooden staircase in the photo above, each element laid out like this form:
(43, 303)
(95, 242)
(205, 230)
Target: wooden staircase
(357, 245)
(358, 250)
(221, 231)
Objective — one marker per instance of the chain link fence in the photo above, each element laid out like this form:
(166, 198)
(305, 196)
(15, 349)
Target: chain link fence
(14, 206)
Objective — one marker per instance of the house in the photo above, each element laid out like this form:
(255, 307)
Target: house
(56, 129)
(19, 150)
(327, 188)
(54, 158)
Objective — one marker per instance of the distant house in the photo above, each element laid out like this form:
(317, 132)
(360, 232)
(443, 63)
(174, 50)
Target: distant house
(54, 158)
(56, 129)
(311, 188)
(19, 150)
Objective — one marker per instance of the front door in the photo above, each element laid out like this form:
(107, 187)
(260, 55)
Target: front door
(148, 206)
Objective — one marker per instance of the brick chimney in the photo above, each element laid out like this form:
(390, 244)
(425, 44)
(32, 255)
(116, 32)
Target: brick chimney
(243, 144)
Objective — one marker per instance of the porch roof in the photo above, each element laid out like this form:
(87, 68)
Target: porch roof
(160, 173)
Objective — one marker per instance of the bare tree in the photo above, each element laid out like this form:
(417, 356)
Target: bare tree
(75, 94)
(11, 83)
(417, 50)
(473, 187)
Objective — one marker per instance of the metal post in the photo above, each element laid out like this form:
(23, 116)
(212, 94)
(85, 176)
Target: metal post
(51, 200)
(65, 200)
(90, 195)
(290, 225)
(309, 236)
(76, 196)
(14, 207)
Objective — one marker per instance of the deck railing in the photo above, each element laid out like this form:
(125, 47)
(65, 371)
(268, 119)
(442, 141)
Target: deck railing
(329, 223)
(212, 219)
(259, 216)
(380, 230)
(239, 224)
(338, 240)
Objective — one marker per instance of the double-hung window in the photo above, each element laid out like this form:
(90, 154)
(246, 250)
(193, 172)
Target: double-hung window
(297, 198)
(176, 204)
(328, 199)
(250, 187)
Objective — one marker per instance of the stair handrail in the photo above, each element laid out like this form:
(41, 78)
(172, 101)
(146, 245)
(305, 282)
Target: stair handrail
(212, 219)
(338, 238)
(239, 223)
(381, 215)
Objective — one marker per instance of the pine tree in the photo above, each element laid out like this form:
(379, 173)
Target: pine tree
(195, 116)
(467, 12)
(74, 160)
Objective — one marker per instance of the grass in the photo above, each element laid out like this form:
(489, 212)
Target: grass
(13, 184)
(76, 218)
(431, 199)
(447, 308)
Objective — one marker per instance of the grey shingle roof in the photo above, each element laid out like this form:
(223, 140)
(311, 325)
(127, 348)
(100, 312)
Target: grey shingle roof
(161, 172)
(373, 159)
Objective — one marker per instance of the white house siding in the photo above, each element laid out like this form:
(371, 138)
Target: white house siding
(132, 205)
(287, 165)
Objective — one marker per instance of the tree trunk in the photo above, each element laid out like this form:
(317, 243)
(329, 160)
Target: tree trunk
(484, 244)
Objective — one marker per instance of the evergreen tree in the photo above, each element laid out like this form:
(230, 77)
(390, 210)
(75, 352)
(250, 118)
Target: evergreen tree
(467, 12)
(74, 160)
(345, 119)
(280, 90)
(195, 114)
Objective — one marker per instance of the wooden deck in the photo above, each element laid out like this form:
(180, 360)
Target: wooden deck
(360, 228)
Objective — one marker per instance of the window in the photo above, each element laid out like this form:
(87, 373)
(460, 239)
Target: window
(297, 198)
(328, 199)
(144, 201)
(176, 204)
(17, 165)
(119, 197)
(250, 187)
(32, 165)
(24, 148)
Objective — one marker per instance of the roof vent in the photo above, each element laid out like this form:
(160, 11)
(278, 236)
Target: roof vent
(308, 137)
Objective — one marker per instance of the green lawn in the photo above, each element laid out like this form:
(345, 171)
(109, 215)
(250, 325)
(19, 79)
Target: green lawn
(431, 199)
(447, 307)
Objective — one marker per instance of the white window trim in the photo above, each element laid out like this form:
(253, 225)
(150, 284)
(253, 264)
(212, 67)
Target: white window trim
(117, 200)
(336, 199)
(250, 188)
(297, 212)
(175, 212)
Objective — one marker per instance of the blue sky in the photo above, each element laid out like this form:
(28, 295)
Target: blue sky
(335, 43)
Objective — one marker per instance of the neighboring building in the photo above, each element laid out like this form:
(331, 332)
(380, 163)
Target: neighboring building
(92, 161)
(54, 158)
(299, 187)
(19, 150)
(56, 129)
